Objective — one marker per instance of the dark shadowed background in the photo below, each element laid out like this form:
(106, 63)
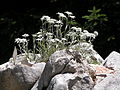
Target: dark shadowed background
(16, 21)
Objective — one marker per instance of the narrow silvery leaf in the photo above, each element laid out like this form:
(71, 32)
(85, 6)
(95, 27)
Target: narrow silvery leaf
(14, 53)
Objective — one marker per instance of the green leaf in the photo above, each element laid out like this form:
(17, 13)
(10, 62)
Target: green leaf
(14, 22)
(105, 19)
(98, 10)
(94, 18)
(90, 10)
(86, 17)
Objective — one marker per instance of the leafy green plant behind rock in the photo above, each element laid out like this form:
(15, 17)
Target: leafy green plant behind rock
(94, 18)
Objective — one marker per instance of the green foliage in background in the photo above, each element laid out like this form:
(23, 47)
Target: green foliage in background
(18, 20)
(94, 18)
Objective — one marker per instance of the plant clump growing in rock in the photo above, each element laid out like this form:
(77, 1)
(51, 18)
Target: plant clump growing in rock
(54, 34)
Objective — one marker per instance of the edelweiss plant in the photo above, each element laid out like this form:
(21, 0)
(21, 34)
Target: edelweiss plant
(55, 34)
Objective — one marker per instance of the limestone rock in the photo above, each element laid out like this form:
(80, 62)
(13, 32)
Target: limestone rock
(111, 82)
(70, 81)
(35, 87)
(19, 77)
(101, 72)
(113, 61)
(62, 62)
(55, 65)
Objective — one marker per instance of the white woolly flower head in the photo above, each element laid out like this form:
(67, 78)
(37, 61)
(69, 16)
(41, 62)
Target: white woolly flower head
(52, 40)
(74, 28)
(96, 33)
(59, 22)
(79, 30)
(56, 25)
(58, 40)
(49, 34)
(61, 15)
(25, 35)
(63, 39)
(68, 13)
(72, 17)
(39, 39)
(45, 18)
(39, 33)
(41, 30)
(19, 40)
(51, 21)
(70, 50)
(34, 35)
(85, 31)
(23, 40)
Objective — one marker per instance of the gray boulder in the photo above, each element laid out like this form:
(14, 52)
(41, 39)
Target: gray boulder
(111, 82)
(113, 61)
(55, 65)
(69, 81)
(35, 87)
(19, 76)
(62, 62)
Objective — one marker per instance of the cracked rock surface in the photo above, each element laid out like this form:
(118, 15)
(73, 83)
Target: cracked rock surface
(62, 70)
(19, 77)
